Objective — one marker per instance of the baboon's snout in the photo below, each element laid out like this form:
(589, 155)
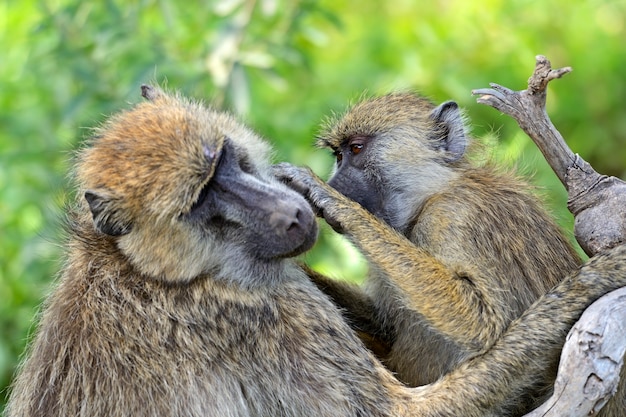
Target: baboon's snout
(294, 222)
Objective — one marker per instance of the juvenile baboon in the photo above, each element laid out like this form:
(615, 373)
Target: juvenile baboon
(456, 251)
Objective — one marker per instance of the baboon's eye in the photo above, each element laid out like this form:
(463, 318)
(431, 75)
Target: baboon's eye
(204, 193)
(356, 148)
(356, 144)
(338, 155)
(245, 165)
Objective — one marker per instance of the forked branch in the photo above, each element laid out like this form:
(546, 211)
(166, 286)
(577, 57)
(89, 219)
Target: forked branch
(597, 201)
(527, 107)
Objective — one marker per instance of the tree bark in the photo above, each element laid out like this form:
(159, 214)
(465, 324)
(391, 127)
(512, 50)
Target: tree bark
(591, 360)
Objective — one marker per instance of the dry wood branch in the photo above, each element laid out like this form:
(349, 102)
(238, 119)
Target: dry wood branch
(598, 202)
(591, 360)
(527, 107)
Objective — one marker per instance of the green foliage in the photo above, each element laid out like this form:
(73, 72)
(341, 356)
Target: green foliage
(282, 66)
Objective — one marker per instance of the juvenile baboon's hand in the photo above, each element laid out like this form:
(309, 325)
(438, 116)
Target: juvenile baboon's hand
(300, 179)
(324, 200)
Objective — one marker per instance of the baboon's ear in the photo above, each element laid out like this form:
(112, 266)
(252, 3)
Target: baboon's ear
(150, 92)
(450, 131)
(106, 216)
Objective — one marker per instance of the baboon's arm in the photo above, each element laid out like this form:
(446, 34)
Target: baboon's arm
(428, 285)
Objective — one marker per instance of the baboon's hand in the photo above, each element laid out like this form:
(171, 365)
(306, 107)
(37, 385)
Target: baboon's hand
(323, 199)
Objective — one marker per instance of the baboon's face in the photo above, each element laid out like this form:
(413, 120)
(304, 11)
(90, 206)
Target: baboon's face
(240, 203)
(182, 188)
(370, 139)
(394, 152)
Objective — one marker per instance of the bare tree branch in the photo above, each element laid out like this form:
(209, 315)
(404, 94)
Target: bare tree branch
(527, 107)
(593, 354)
(597, 201)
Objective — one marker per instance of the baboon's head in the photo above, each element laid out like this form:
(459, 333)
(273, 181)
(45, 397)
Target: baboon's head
(186, 190)
(394, 151)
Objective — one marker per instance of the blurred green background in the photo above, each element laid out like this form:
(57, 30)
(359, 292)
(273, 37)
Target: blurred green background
(282, 66)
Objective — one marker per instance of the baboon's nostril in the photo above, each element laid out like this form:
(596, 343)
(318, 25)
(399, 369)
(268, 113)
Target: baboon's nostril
(295, 222)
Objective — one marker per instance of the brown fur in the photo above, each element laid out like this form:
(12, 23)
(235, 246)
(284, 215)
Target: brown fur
(469, 249)
(154, 317)
(518, 370)
(480, 246)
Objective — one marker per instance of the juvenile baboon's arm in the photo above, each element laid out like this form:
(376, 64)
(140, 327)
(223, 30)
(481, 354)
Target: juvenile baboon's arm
(523, 359)
(428, 285)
